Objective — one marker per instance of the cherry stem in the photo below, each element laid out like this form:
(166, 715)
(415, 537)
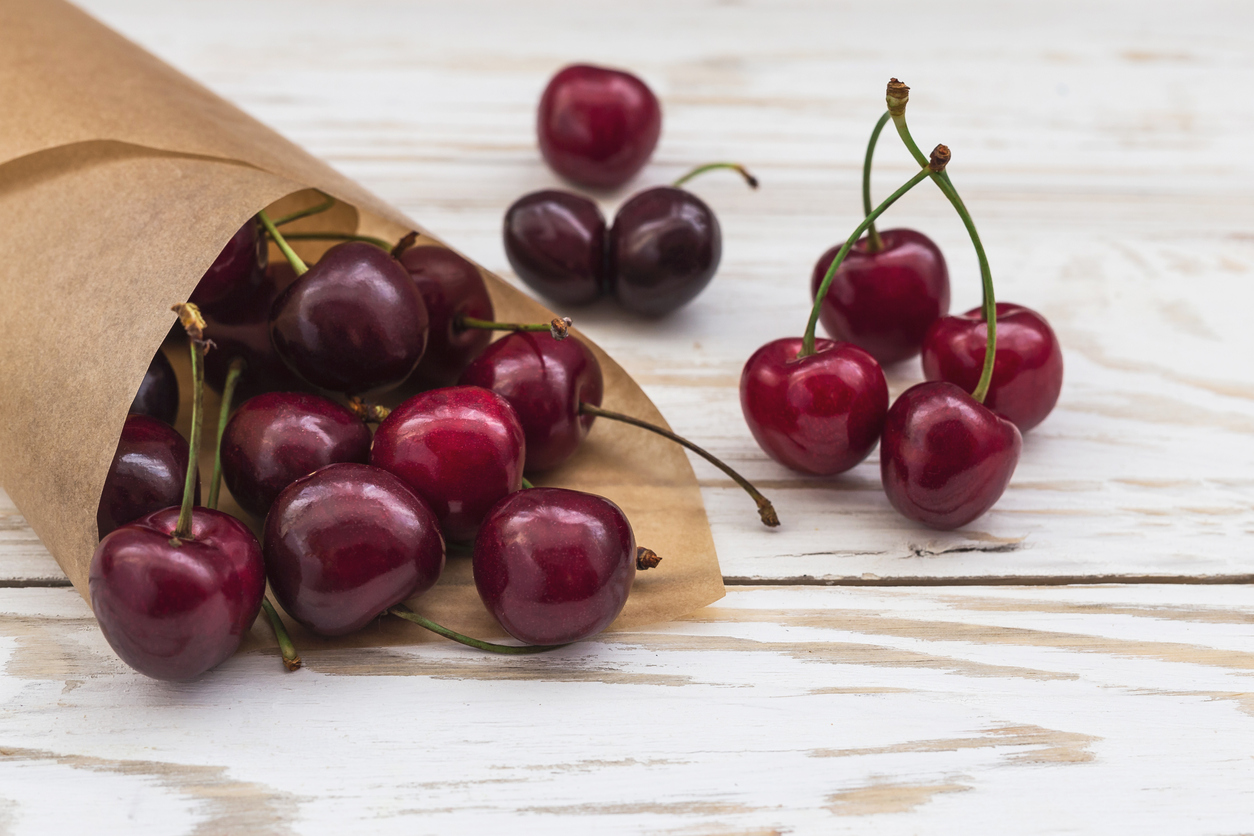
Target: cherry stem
(558, 327)
(512, 650)
(194, 324)
(527, 485)
(646, 559)
(371, 413)
(807, 341)
(318, 209)
(765, 509)
(224, 412)
(339, 236)
(898, 97)
(702, 169)
(874, 244)
(291, 659)
(292, 258)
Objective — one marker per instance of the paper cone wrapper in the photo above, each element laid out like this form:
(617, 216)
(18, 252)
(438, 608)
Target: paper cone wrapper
(120, 182)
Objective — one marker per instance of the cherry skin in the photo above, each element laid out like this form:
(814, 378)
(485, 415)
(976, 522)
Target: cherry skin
(347, 542)
(461, 449)
(1027, 371)
(451, 287)
(174, 612)
(664, 246)
(276, 438)
(597, 127)
(555, 242)
(818, 414)
(354, 323)
(544, 380)
(884, 302)
(158, 395)
(945, 458)
(238, 269)
(147, 474)
(553, 565)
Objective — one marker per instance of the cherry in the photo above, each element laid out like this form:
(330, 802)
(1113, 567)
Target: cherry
(347, 542)
(148, 472)
(461, 449)
(1027, 368)
(554, 566)
(236, 271)
(597, 126)
(820, 413)
(555, 242)
(276, 438)
(158, 395)
(884, 300)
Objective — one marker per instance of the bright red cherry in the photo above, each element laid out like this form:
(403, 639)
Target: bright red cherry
(236, 272)
(553, 565)
(597, 127)
(451, 287)
(664, 246)
(461, 449)
(276, 438)
(175, 611)
(347, 542)
(1027, 369)
(945, 459)
(555, 242)
(148, 472)
(545, 380)
(822, 413)
(158, 395)
(885, 301)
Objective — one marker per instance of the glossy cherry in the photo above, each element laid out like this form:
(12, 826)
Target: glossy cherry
(451, 287)
(147, 474)
(347, 542)
(597, 127)
(553, 565)
(1027, 368)
(237, 271)
(885, 301)
(158, 395)
(820, 414)
(545, 380)
(555, 242)
(664, 248)
(461, 449)
(945, 459)
(354, 323)
(276, 438)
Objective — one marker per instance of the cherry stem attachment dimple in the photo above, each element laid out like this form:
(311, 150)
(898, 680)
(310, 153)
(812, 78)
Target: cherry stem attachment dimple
(291, 659)
(194, 324)
(406, 613)
(224, 412)
(339, 236)
(898, 96)
(316, 209)
(292, 258)
(874, 243)
(702, 169)
(765, 509)
(558, 327)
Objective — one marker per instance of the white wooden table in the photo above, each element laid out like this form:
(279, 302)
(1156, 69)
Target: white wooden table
(1078, 660)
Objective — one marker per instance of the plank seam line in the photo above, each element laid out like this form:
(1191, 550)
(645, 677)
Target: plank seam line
(994, 580)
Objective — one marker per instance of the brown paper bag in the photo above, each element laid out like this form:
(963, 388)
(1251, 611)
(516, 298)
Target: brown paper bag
(120, 181)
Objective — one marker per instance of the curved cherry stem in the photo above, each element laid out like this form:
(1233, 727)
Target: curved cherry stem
(224, 412)
(702, 169)
(807, 341)
(765, 509)
(898, 97)
(291, 659)
(508, 649)
(558, 327)
(338, 236)
(874, 244)
(317, 209)
(292, 258)
(194, 324)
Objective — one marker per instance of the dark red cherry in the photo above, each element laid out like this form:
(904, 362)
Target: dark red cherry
(544, 380)
(555, 242)
(451, 287)
(597, 127)
(147, 474)
(276, 438)
(945, 459)
(461, 449)
(346, 543)
(1027, 371)
(174, 612)
(240, 328)
(237, 271)
(665, 247)
(158, 395)
(818, 414)
(553, 565)
(885, 301)
(354, 323)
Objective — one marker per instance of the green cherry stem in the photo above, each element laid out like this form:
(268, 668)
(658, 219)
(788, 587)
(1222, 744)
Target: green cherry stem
(874, 244)
(509, 649)
(224, 412)
(558, 327)
(317, 209)
(194, 324)
(701, 169)
(338, 236)
(527, 485)
(292, 258)
(291, 659)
